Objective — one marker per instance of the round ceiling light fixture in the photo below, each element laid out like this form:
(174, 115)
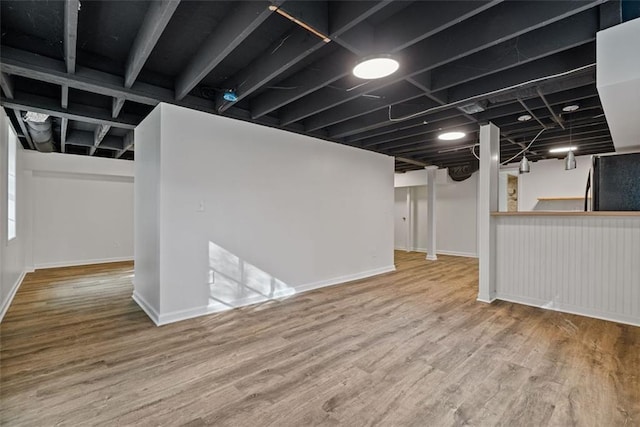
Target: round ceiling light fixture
(524, 118)
(451, 136)
(570, 108)
(376, 67)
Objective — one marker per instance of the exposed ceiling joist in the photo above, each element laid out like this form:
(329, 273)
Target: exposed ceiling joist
(492, 54)
(155, 21)
(127, 143)
(243, 20)
(64, 96)
(116, 107)
(380, 119)
(83, 138)
(557, 37)
(70, 33)
(6, 82)
(23, 127)
(415, 24)
(445, 47)
(399, 93)
(436, 22)
(569, 64)
(85, 113)
(320, 74)
(100, 133)
(294, 48)
(281, 56)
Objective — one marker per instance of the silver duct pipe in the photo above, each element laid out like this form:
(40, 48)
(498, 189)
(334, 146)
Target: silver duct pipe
(42, 134)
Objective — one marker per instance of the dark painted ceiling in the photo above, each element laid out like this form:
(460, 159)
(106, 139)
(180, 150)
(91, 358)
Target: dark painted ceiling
(99, 67)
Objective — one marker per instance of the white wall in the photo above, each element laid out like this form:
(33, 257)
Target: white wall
(12, 254)
(548, 178)
(246, 209)
(456, 207)
(82, 209)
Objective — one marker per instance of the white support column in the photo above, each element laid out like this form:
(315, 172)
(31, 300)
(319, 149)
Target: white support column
(431, 213)
(488, 202)
(409, 222)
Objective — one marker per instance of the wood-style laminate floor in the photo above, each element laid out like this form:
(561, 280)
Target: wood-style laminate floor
(406, 348)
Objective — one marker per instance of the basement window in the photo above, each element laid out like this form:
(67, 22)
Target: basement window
(11, 185)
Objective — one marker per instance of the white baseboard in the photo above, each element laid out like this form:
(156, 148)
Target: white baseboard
(81, 262)
(176, 316)
(571, 309)
(441, 252)
(146, 307)
(6, 303)
(343, 279)
(456, 253)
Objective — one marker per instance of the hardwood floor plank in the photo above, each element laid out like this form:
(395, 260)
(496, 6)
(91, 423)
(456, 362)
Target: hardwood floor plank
(412, 347)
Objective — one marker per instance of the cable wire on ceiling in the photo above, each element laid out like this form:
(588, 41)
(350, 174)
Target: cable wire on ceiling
(494, 92)
(524, 149)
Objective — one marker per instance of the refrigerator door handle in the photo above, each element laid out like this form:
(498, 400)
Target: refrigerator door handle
(586, 193)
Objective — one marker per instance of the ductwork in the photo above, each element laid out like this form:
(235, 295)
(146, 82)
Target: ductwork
(41, 133)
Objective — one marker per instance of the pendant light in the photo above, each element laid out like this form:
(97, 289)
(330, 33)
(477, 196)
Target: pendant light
(524, 165)
(570, 160)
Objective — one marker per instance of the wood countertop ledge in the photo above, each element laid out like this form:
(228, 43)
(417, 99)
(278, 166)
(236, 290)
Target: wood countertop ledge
(568, 213)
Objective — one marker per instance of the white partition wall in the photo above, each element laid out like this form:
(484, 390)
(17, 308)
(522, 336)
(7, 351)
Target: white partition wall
(230, 213)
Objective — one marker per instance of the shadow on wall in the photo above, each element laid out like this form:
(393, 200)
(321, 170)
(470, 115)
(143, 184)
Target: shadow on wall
(234, 282)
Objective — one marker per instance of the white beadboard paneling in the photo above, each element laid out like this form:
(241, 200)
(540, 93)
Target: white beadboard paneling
(579, 264)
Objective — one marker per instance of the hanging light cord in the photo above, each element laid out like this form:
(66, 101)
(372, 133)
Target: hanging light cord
(524, 149)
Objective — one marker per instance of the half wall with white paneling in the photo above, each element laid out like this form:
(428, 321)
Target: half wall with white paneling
(579, 264)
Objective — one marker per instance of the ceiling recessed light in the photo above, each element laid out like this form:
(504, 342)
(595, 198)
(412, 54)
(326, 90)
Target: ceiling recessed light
(524, 118)
(570, 108)
(563, 149)
(451, 136)
(376, 67)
